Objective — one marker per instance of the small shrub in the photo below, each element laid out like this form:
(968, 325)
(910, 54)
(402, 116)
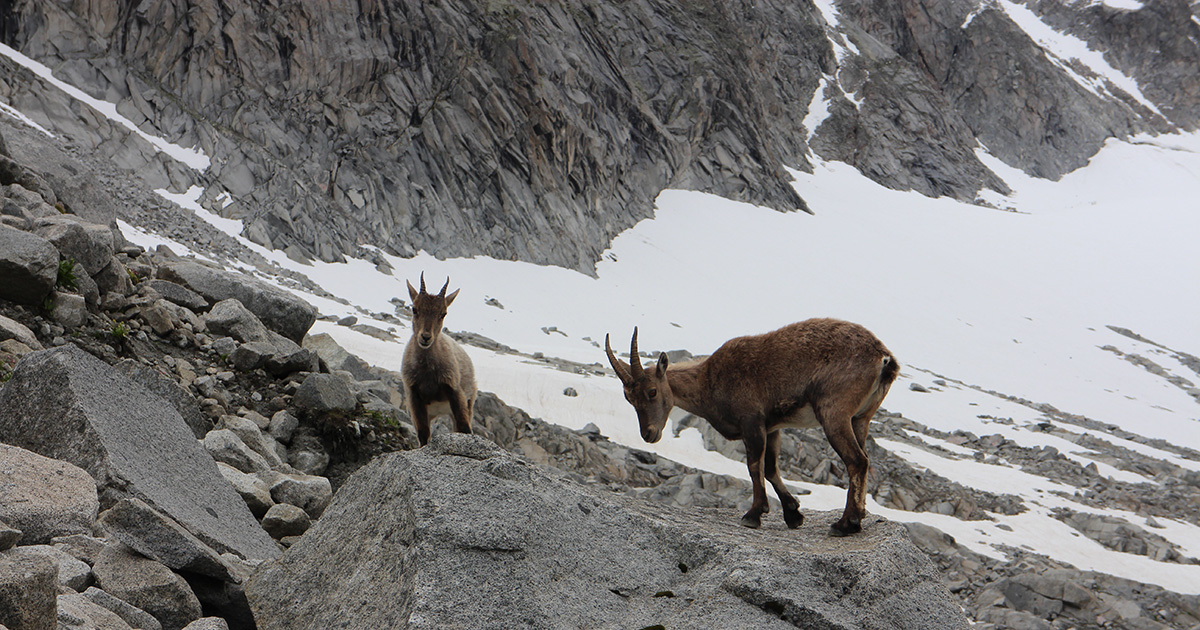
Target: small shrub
(119, 331)
(66, 274)
(133, 277)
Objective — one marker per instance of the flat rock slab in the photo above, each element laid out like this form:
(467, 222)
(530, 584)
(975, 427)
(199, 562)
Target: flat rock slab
(44, 497)
(462, 535)
(66, 404)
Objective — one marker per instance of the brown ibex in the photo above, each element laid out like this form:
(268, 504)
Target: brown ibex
(818, 372)
(438, 375)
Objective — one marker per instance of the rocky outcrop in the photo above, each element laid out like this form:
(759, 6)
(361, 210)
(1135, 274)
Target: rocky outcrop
(66, 404)
(1017, 97)
(539, 132)
(544, 552)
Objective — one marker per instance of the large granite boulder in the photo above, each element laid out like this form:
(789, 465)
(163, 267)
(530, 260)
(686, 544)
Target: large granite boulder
(461, 534)
(66, 404)
(281, 311)
(171, 391)
(28, 266)
(43, 497)
(87, 244)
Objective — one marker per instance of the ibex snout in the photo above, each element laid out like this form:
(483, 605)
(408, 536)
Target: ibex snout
(426, 339)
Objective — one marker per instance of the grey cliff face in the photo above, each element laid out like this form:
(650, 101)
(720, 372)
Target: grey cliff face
(538, 132)
(530, 132)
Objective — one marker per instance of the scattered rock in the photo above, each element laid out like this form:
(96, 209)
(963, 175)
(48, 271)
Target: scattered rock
(69, 309)
(28, 593)
(323, 394)
(66, 404)
(254, 491)
(175, 293)
(147, 585)
(208, 623)
(28, 266)
(8, 535)
(134, 616)
(286, 520)
(12, 329)
(77, 612)
(73, 574)
(225, 446)
(310, 493)
(157, 537)
(281, 311)
(43, 497)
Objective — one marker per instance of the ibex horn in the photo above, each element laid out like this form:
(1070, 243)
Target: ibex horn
(444, 287)
(423, 282)
(616, 364)
(635, 360)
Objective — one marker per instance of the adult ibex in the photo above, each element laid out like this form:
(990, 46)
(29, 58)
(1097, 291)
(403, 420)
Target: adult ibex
(818, 372)
(438, 375)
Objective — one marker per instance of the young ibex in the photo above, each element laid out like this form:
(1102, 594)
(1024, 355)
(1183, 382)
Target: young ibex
(438, 375)
(819, 372)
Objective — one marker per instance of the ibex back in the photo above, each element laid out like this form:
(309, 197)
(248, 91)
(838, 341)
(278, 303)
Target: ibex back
(438, 375)
(818, 372)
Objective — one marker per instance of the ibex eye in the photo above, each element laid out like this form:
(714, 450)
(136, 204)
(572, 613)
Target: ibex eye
(653, 393)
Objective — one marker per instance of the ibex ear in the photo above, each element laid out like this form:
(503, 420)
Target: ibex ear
(412, 293)
(662, 364)
(450, 298)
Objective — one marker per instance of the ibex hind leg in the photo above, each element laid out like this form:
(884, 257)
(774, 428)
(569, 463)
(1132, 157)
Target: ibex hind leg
(839, 430)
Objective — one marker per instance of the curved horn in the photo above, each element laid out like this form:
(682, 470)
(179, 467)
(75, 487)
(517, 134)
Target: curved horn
(444, 287)
(635, 360)
(616, 363)
(422, 282)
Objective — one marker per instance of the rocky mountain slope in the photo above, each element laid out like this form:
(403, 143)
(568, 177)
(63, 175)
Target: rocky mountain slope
(164, 391)
(538, 132)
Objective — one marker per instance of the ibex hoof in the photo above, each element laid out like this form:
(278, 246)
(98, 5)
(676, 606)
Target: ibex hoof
(845, 528)
(753, 521)
(793, 519)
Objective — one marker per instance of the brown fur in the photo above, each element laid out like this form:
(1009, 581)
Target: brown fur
(818, 372)
(438, 375)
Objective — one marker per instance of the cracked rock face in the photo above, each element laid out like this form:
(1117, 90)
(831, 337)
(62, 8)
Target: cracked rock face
(531, 548)
(539, 132)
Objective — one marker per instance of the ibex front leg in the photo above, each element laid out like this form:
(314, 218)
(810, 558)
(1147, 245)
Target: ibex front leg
(420, 415)
(460, 409)
(754, 437)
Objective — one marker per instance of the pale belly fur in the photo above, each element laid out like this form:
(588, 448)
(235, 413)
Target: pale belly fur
(802, 418)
